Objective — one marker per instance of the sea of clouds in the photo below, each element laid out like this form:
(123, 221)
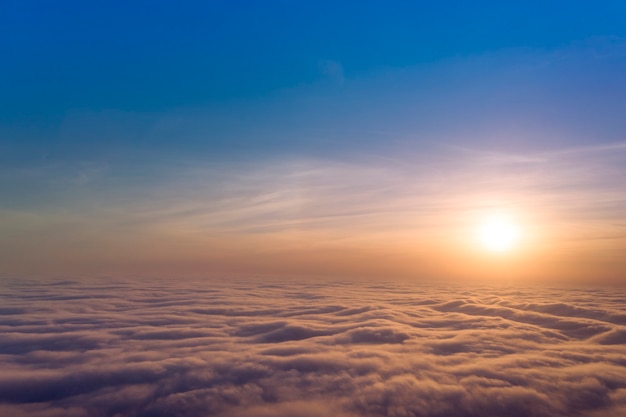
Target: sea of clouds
(246, 348)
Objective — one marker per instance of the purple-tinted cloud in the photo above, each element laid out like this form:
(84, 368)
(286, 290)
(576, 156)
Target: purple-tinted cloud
(205, 348)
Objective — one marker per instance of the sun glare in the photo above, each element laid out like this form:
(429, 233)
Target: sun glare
(498, 234)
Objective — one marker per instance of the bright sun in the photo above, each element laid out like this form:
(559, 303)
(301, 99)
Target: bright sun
(498, 234)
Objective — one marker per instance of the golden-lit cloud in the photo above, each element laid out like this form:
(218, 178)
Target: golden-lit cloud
(293, 347)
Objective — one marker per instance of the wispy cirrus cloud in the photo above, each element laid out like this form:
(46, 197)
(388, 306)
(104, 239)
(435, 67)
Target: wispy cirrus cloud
(409, 200)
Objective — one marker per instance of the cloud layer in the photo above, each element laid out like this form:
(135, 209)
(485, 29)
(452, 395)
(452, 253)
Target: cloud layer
(208, 348)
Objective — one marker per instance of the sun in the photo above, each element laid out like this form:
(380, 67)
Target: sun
(498, 234)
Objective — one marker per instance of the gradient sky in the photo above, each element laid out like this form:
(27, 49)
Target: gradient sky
(312, 138)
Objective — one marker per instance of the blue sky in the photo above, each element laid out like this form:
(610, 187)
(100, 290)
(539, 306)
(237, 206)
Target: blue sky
(156, 56)
(265, 115)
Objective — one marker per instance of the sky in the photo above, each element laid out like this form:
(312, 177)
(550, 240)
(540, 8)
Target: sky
(305, 208)
(290, 139)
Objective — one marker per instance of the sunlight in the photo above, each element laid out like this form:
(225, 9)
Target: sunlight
(498, 234)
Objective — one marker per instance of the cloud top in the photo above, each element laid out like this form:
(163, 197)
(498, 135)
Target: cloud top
(207, 348)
